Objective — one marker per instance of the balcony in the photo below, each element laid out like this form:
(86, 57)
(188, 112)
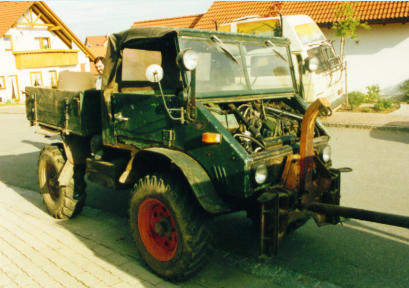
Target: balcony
(45, 58)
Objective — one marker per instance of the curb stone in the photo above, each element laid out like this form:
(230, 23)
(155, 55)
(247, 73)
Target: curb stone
(367, 126)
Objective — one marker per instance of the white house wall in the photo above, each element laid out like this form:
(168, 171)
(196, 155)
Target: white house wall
(23, 38)
(376, 56)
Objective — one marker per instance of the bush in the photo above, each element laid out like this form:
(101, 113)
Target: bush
(372, 93)
(383, 104)
(366, 109)
(405, 89)
(356, 98)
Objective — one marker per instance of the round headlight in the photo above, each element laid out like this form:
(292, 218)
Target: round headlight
(187, 59)
(313, 64)
(260, 176)
(326, 154)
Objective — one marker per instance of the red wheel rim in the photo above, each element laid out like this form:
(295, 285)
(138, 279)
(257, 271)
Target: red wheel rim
(157, 229)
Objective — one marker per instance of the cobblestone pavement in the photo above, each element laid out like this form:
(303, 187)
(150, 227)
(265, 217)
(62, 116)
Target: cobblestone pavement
(94, 249)
(39, 251)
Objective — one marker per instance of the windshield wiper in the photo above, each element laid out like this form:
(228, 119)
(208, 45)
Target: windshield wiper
(276, 52)
(219, 42)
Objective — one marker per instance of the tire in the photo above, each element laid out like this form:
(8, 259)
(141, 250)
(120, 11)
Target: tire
(167, 226)
(62, 202)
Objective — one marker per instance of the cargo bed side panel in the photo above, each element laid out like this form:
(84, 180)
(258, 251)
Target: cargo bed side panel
(72, 112)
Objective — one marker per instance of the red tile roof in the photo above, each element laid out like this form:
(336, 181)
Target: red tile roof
(98, 50)
(95, 41)
(184, 21)
(323, 12)
(10, 12)
(226, 11)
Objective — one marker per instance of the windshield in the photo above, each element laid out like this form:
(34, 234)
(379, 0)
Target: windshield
(227, 66)
(309, 33)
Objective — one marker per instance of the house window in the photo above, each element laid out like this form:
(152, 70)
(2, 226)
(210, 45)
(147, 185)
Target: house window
(43, 42)
(36, 79)
(8, 42)
(2, 83)
(53, 78)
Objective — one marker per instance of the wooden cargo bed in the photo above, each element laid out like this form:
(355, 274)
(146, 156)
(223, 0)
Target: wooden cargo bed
(77, 112)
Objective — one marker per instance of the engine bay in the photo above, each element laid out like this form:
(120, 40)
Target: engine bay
(261, 124)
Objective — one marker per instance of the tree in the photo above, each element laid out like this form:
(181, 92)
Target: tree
(347, 20)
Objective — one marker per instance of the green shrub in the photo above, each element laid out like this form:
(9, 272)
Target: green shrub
(372, 93)
(404, 87)
(383, 104)
(356, 98)
(366, 109)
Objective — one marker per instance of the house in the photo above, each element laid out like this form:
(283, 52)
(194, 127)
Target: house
(35, 45)
(98, 47)
(376, 56)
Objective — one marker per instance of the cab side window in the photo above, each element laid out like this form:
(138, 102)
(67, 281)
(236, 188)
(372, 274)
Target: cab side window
(135, 62)
(140, 56)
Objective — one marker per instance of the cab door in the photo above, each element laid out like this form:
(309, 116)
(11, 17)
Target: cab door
(138, 113)
(139, 119)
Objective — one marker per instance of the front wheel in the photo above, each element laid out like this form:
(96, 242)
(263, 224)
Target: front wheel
(61, 201)
(167, 227)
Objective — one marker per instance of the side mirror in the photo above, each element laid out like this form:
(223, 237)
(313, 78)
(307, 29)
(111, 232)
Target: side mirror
(154, 73)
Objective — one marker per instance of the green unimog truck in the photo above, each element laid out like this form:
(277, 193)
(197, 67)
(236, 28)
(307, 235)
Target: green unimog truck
(195, 123)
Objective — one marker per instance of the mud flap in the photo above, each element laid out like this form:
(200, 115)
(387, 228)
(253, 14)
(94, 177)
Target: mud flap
(66, 174)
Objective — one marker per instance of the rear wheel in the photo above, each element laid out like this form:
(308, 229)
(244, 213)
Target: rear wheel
(167, 227)
(61, 201)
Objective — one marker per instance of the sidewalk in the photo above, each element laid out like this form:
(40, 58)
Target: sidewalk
(389, 121)
(13, 109)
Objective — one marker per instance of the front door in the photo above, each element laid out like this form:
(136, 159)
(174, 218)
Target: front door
(15, 91)
(139, 119)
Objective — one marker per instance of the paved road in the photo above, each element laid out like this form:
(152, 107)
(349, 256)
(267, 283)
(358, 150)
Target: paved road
(359, 254)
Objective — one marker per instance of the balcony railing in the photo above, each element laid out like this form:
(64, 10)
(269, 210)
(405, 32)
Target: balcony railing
(45, 58)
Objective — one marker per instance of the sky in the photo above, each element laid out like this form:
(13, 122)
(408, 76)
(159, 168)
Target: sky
(102, 17)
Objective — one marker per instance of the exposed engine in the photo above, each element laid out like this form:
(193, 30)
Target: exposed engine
(259, 125)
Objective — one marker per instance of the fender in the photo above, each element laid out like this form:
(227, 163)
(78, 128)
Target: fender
(76, 150)
(196, 176)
